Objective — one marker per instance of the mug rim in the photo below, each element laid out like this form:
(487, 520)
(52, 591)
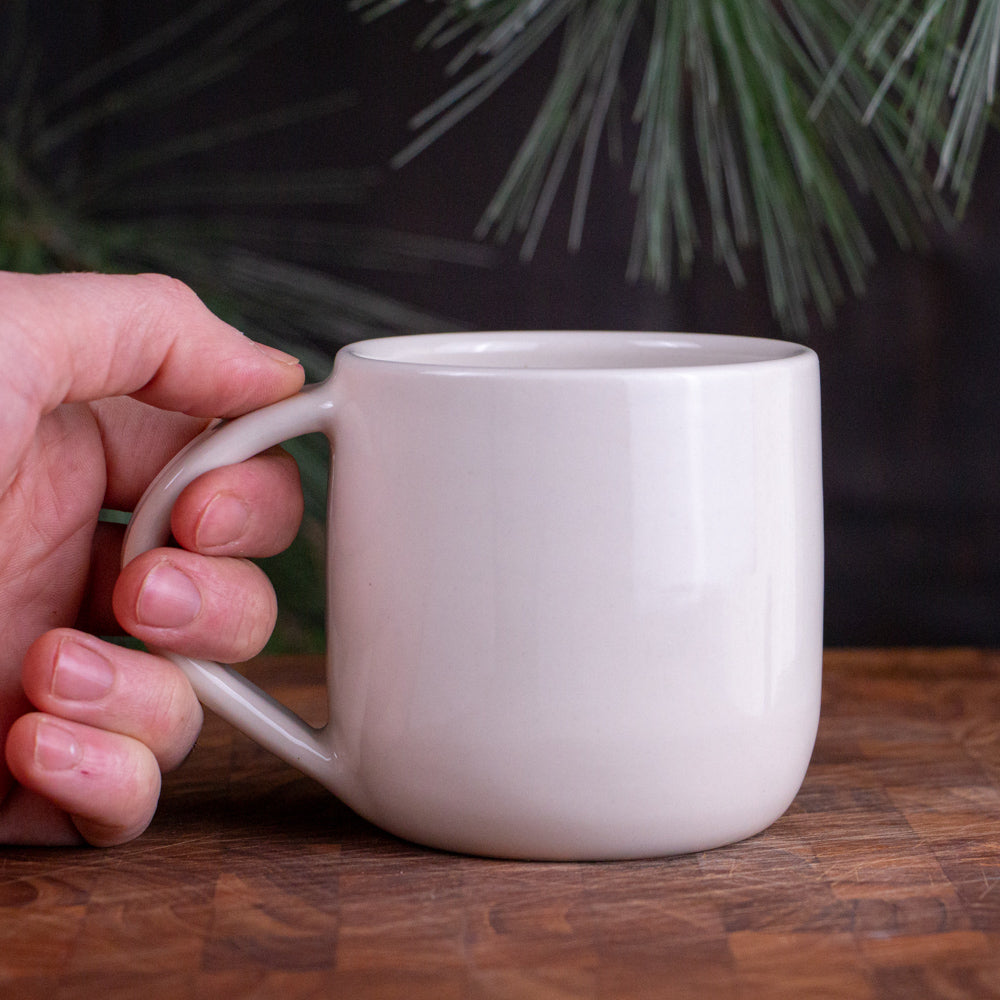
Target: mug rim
(546, 352)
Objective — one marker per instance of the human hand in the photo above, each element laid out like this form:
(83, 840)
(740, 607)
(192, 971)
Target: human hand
(102, 380)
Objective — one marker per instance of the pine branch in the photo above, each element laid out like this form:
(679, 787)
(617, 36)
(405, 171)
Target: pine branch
(782, 106)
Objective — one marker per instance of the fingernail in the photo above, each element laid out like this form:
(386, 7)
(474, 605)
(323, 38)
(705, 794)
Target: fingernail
(81, 674)
(275, 355)
(222, 521)
(168, 598)
(56, 748)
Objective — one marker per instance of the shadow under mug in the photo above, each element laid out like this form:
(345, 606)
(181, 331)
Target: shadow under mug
(574, 587)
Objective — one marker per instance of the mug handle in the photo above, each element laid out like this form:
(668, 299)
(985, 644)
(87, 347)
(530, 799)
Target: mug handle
(224, 690)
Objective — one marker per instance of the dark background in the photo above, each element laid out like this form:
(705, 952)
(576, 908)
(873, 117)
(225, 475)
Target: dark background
(910, 370)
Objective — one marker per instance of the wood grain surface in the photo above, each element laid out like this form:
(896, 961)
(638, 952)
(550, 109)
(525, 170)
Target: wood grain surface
(881, 881)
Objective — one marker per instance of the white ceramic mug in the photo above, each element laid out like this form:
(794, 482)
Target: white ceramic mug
(574, 587)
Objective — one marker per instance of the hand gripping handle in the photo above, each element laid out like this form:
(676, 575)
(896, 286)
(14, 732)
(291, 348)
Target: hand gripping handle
(220, 688)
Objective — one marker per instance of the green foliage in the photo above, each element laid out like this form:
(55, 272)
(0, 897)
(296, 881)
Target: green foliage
(779, 115)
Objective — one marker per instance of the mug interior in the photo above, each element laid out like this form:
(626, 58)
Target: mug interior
(590, 350)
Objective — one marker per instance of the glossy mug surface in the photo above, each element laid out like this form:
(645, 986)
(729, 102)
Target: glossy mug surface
(574, 587)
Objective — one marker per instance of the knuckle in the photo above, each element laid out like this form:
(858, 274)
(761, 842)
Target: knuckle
(161, 302)
(242, 614)
(126, 815)
(254, 625)
(173, 720)
(166, 289)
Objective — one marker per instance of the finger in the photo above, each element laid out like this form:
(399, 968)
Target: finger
(251, 509)
(81, 337)
(78, 678)
(138, 440)
(108, 783)
(219, 607)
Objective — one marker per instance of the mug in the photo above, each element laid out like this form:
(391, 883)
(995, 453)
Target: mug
(574, 587)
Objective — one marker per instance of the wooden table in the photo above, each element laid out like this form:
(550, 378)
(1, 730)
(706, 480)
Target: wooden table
(882, 880)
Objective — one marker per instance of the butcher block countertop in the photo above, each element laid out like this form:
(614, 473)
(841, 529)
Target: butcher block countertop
(882, 880)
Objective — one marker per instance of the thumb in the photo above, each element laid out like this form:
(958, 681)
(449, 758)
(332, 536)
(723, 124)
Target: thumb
(82, 337)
